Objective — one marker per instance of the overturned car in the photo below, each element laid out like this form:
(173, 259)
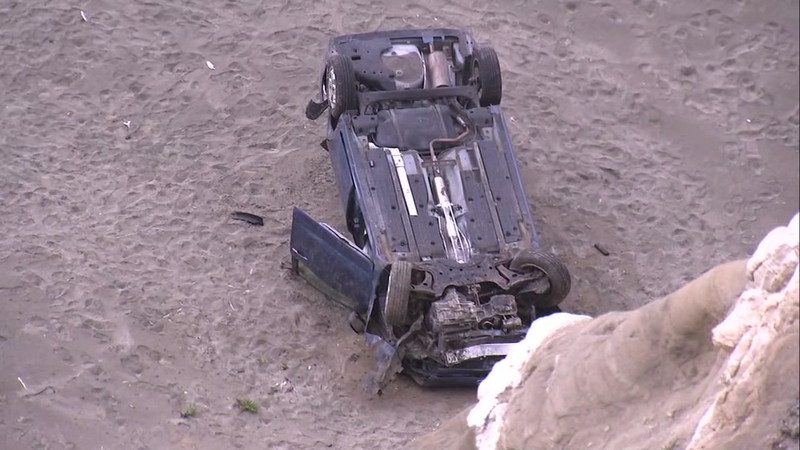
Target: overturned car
(443, 265)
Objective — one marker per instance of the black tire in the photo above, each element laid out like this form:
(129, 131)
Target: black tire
(555, 271)
(398, 290)
(356, 323)
(355, 221)
(340, 85)
(486, 75)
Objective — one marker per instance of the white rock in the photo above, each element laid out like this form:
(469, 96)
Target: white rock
(765, 311)
(486, 417)
(744, 316)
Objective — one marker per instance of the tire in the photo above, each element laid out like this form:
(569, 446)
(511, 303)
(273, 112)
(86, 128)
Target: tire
(486, 75)
(340, 85)
(355, 216)
(555, 271)
(356, 323)
(398, 290)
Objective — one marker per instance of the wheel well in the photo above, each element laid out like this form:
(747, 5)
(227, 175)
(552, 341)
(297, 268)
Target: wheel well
(355, 219)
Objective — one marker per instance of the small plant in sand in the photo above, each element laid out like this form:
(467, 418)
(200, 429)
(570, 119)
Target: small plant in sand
(190, 411)
(245, 404)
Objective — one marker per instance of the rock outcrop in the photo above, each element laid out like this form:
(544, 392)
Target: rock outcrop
(714, 365)
(760, 376)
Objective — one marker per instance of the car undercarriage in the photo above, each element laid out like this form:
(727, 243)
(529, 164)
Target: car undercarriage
(448, 254)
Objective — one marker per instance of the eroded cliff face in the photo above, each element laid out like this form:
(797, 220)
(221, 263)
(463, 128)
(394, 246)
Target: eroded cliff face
(760, 377)
(714, 365)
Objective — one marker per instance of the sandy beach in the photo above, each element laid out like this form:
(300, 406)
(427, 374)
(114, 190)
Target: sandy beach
(664, 132)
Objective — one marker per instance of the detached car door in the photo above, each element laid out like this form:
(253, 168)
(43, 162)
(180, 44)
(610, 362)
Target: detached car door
(331, 263)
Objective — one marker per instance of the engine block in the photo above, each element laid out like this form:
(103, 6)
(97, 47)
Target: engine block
(454, 312)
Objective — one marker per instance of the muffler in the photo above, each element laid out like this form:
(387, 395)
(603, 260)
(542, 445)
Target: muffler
(438, 69)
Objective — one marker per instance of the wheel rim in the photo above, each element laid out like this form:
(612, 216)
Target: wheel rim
(330, 87)
(531, 267)
(476, 76)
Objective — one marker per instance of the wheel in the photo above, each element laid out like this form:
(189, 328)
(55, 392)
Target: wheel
(395, 307)
(556, 272)
(485, 74)
(355, 221)
(356, 322)
(340, 85)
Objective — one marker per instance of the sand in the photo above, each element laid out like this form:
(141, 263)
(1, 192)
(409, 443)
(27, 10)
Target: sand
(665, 132)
